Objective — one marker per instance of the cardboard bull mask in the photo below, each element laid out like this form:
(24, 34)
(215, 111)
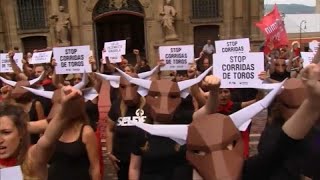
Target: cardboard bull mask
(291, 98)
(163, 96)
(214, 144)
(55, 96)
(18, 91)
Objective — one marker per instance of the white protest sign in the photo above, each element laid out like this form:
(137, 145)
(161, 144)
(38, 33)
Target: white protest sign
(233, 46)
(73, 59)
(176, 57)
(115, 59)
(115, 49)
(314, 45)
(5, 62)
(12, 173)
(41, 57)
(238, 70)
(307, 58)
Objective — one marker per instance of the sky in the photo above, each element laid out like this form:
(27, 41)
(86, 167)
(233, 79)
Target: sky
(304, 2)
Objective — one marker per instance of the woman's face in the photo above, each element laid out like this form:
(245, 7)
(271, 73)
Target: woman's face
(224, 96)
(9, 138)
(77, 78)
(127, 70)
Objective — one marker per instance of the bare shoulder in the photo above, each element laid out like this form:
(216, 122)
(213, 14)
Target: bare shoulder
(88, 134)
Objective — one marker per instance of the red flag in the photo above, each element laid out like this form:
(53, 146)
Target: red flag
(273, 28)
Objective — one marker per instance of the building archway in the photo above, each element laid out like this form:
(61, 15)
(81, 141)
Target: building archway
(122, 21)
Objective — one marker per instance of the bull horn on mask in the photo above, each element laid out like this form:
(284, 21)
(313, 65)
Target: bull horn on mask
(14, 83)
(179, 133)
(114, 80)
(83, 82)
(11, 83)
(140, 82)
(244, 115)
(33, 81)
(184, 85)
(42, 93)
(148, 74)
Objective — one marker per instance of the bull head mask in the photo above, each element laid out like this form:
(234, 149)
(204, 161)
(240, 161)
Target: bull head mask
(214, 145)
(55, 96)
(163, 96)
(18, 91)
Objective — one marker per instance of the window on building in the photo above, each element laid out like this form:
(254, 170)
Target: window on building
(205, 9)
(31, 14)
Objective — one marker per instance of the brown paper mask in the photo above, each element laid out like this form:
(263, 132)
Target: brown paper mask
(292, 96)
(55, 96)
(163, 96)
(207, 149)
(18, 91)
(128, 91)
(163, 99)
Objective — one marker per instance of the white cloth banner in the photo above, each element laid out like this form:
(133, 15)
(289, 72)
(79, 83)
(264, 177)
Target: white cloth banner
(176, 57)
(233, 46)
(5, 62)
(41, 57)
(73, 59)
(238, 70)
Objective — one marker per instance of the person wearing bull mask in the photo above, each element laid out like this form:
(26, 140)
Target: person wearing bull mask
(129, 106)
(302, 161)
(160, 158)
(213, 139)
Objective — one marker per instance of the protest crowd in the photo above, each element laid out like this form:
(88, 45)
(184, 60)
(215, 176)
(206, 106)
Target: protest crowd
(192, 124)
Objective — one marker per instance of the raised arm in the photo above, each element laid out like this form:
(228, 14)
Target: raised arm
(16, 68)
(213, 84)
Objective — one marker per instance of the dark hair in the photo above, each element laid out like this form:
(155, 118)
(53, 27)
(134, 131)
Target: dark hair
(20, 120)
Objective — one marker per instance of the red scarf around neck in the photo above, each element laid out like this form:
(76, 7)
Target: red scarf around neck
(9, 162)
(225, 109)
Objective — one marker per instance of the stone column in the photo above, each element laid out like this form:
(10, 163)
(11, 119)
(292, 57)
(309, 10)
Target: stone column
(54, 6)
(74, 19)
(255, 15)
(2, 45)
(238, 18)
(246, 18)
(228, 19)
(10, 24)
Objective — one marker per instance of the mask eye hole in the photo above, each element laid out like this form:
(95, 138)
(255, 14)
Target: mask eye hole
(231, 145)
(199, 153)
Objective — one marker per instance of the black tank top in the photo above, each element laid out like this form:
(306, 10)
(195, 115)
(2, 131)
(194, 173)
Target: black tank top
(33, 117)
(70, 161)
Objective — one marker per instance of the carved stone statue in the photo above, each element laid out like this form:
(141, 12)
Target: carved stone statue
(118, 4)
(168, 14)
(62, 27)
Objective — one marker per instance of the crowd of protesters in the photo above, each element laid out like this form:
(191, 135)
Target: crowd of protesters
(53, 136)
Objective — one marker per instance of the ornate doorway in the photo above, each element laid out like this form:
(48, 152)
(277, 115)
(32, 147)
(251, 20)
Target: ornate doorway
(120, 20)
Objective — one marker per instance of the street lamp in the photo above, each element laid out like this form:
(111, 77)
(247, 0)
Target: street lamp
(305, 27)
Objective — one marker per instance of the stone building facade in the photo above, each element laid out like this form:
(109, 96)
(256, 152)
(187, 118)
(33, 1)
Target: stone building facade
(145, 24)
